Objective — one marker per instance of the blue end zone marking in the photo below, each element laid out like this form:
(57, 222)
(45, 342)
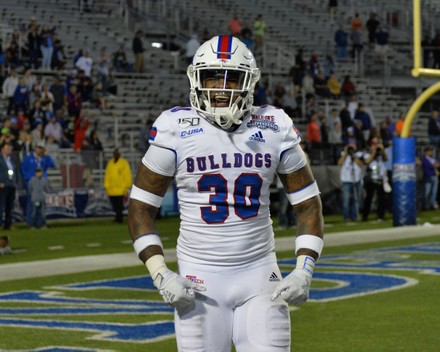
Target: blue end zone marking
(133, 283)
(106, 331)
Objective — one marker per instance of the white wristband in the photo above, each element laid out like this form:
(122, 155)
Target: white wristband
(149, 239)
(145, 196)
(314, 243)
(306, 263)
(156, 265)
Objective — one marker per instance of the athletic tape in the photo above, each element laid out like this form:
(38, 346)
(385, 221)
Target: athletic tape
(149, 239)
(303, 194)
(145, 197)
(314, 243)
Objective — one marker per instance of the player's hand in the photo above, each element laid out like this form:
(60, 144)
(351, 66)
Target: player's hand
(294, 288)
(176, 290)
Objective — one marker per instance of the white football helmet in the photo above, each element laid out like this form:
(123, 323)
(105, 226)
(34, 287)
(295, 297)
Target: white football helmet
(223, 75)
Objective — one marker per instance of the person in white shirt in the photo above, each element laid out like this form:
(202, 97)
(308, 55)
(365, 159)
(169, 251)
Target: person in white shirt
(224, 154)
(351, 176)
(8, 88)
(85, 63)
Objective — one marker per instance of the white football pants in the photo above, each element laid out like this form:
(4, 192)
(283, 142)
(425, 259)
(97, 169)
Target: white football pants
(235, 308)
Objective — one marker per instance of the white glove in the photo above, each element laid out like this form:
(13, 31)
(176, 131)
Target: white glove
(294, 288)
(175, 289)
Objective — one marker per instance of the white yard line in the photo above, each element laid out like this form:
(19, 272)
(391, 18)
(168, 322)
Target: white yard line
(72, 265)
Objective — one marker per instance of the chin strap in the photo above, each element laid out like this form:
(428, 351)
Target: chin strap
(232, 115)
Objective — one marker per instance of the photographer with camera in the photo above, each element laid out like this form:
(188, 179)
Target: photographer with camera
(374, 180)
(351, 176)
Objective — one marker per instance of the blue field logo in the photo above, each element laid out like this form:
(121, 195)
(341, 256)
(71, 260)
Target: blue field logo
(349, 276)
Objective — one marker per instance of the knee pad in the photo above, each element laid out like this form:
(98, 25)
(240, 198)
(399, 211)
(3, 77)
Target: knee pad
(262, 325)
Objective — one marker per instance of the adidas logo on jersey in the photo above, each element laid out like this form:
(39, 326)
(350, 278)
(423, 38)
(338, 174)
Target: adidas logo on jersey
(274, 277)
(257, 137)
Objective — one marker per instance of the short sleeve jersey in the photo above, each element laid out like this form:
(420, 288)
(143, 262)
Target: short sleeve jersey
(223, 181)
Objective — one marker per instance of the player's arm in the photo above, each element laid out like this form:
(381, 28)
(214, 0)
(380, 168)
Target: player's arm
(303, 193)
(145, 199)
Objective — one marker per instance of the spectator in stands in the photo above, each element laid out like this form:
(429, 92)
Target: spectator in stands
(356, 42)
(328, 66)
(74, 101)
(117, 182)
(313, 130)
(375, 175)
(138, 51)
(8, 185)
(430, 167)
(34, 94)
(346, 120)
(335, 132)
(205, 35)
(234, 27)
(320, 85)
(247, 37)
(259, 32)
(372, 25)
(47, 99)
(120, 62)
(351, 165)
(54, 130)
(353, 105)
(81, 126)
(21, 96)
(308, 84)
(12, 55)
(382, 40)
(40, 158)
(76, 57)
(39, 186)
(399, 124)
(94, 140)
(103, 67)
(59, 56)
(46, 46)
(33, 44)
(25, 140)
(191, 47)
(36, 114)
(296, 74)
(59, 93)
(385, 134)
(363, 116)
(341, 40)
(434, 129)
(348, 88)
(37, 135)
(334, 86)
(85, 63)
(356, 23)
(314, 66)
(29, 79)
(9, 86)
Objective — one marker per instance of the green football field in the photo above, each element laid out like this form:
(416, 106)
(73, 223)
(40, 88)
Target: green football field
(366, 297)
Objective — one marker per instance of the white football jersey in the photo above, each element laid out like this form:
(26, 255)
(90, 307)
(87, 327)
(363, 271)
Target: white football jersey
(223, 181)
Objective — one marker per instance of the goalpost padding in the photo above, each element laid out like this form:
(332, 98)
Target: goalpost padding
(404, 181)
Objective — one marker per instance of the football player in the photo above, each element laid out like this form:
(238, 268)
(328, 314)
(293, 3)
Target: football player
(223, 154)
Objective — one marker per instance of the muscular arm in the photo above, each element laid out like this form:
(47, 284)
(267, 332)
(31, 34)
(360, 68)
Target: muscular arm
(141, 216)
(309, 212)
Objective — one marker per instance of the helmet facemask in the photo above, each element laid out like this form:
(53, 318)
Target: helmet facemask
(222, 90)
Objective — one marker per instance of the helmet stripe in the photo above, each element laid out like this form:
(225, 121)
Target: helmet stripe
(224, 47)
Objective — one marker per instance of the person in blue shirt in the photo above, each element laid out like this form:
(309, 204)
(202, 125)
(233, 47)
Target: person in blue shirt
(38, 159)
(430, 167)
